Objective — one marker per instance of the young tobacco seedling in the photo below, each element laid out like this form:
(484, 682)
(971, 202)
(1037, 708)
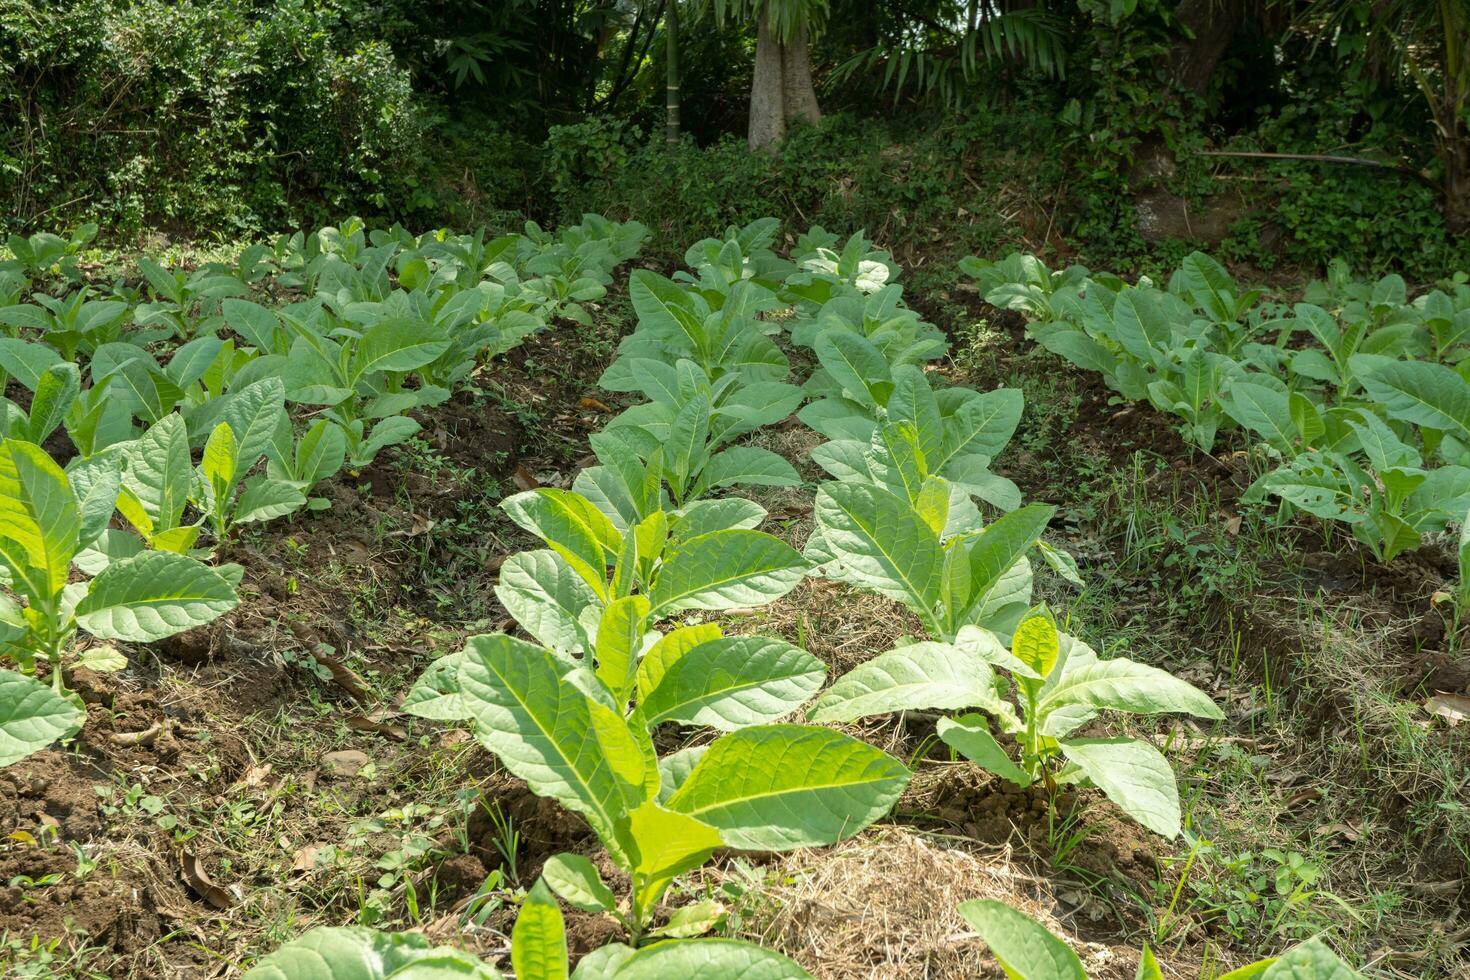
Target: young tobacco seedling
(914, 537)
(952, 433)
(1027, 950)
(705, 556)
(47, 518)
(1061, 685)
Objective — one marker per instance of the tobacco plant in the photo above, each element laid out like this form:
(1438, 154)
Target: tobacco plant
(706, 556)
(1060, 685)
(538, 951)
(47, 518)
(566, 728)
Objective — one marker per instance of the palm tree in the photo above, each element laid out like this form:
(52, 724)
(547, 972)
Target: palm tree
(781, 87)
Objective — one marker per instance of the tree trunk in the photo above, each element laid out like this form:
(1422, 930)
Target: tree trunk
(796, 81)
(671, 56)
(1192, 61)
(781, 88)
(1457, 185)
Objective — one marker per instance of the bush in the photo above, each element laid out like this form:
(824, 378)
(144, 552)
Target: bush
(203, 113)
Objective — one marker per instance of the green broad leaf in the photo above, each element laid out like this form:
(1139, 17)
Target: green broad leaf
(1148, 966)
(538, 943)
(392, 431)
(619, 640)
(662, 843)
(1312, 960)
(576, 882)
(27, 361)
(160, 473)
(725, 570)
(777, 787)
(732, 682)
(264, 499)
(1264, 411)
(397, 344)
(969, 735)
(102, 659)
(1037, 644)
(983, 424)
(691, 920)
(435, 694)
(1423, 393)
(913, 402)
(40, 525)
(256, 324)
(747, 466)
(95, 481)
(221, 461)
(153, 595)
(705, 516)
(572, 527)
(1023, 947)
(882, 543)
(358, 953)
(919, 677)
(844, 460)
(604, 961)
(547, 598)
(1003, 543)
(55, 392)
(254, 412)
(1140, 324)
(666, 652)
(1132, 774)
(545, 730)
(707, 959)
(1124, 685)
(674, 769)
(32, 716)
(856, 365)
(685, 447)
(320, 453)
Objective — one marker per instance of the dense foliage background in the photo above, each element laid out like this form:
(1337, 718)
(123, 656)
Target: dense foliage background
(1080, 125)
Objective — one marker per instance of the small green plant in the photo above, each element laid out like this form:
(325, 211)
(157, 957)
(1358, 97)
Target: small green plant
(47, 517)
(538, 951)
(1061, 685)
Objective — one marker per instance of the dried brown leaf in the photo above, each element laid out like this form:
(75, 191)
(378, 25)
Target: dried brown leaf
(194, 876)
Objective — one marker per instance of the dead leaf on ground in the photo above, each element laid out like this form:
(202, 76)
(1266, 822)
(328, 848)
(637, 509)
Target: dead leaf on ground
(345, 677)
(417, 524)
(147, 736)
(1304, 796)
(347, 762)
(254, 776)
(378, 722)
(1349, 829)
(1453, 708)
(195, 878)
(1232, 526)
(305, 858)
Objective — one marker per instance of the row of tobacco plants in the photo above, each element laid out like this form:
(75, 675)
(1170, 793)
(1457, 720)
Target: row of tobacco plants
(1356, 398)
(195, 408)
(150, 421)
